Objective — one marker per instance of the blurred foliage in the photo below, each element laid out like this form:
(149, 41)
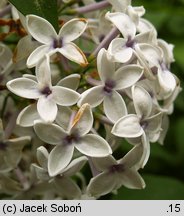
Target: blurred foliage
(164, 172)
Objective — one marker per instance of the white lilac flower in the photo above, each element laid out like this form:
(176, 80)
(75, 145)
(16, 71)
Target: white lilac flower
(48, 96)
(134, 125)
(7, 65)
(156, 66)
(75, 137)
(122, 49)
(114, 174)
(42, 31)
(112, 81)
(30, 113)
(10, 150)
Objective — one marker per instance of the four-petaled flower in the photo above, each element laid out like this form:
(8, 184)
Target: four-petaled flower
(76, 136)
(41, 89)
(112, 81)
(43, 31)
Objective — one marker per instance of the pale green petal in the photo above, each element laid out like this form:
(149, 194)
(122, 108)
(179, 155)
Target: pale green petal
(73, 53)
(71, 81)
(132, 179)
(104, 163)
(40, 29)
(64, 96)
(127, 76)
(128, 126)
(114, 106)
(67, 188)
(27, 116)
(106, 68)
(123, 23)
(93, 145)
(24, 87)
(59, 158)
(101, 184)
(83, 120)
(49, 133)
(93, 96)
(75, 166)
(47, 108)
(42, 157)
(72, 29)
(142, 101)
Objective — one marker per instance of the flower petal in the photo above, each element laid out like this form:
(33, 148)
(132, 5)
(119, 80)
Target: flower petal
(75, 166)
(71, 81)
(145, 151)
(47, 108)
(167, 83)
(106, 68)
(49, 133)
(83, 120)
(73, 29)
(154, 123)
(93, 96)
(123, 23)
(59, 158)
(103, 164)
(64, 96)
(27, 116)
(24, 48)
(24, 87)
(42, 157)
(119, 51)
(73, 53)
(43, 72)
(142, 101)
(128, 126)
(63, 116)
(40, 29)
(114, 106)
(132, 179)
(101, 184)
(67, 188)
(128, 75)
(120, 5)
(37, 55)
(132, 157)
(93, 145)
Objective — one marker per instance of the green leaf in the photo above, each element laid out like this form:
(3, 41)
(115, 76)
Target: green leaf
(157, 188)
(44, 8)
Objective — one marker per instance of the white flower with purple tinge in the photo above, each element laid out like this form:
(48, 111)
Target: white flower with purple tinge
(42, 31)
(112, 81)
(67, 140)
(41, 89)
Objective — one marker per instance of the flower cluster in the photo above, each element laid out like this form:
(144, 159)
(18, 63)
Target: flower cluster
(77, 105)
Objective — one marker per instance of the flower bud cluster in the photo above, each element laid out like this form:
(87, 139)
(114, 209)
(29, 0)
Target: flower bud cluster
(78, 105)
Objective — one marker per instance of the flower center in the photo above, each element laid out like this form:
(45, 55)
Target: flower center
(109, 85)
(144, 124)
(154, 70)
(130, 43)
(69, 139)
(57, 43)
(46, 91)
(116, 168)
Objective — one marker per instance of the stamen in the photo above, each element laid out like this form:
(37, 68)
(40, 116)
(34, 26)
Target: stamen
(58, 43)
(69, 139)
(46, 91)
(130, 43)
(109, 85)
(116, 168)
